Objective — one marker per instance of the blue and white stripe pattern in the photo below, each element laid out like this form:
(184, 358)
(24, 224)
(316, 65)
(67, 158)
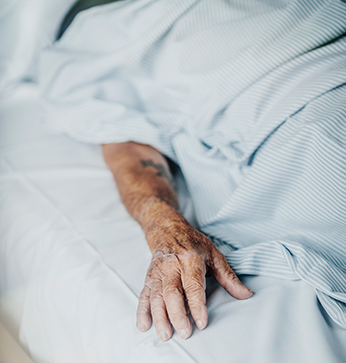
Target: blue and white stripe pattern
(249, 97)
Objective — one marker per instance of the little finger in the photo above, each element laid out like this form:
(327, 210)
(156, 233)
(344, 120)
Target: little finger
(143, 310)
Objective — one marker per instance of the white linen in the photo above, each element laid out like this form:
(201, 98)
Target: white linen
(26, 27)
(246, 98)
(79, 260)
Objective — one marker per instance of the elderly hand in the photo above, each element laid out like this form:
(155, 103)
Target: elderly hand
(182, 257)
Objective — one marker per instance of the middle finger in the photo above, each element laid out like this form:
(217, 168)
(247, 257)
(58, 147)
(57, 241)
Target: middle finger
(175, 302)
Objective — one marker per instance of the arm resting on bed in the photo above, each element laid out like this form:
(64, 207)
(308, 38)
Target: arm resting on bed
(182, 256)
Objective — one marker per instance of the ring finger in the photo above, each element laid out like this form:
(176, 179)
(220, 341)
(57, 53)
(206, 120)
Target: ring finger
(158, 312)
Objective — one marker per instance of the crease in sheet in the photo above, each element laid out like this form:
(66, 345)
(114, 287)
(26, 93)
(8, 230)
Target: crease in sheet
(34, 189)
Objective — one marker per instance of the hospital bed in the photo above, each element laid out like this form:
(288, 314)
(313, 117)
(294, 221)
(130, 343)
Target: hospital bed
(73, 262)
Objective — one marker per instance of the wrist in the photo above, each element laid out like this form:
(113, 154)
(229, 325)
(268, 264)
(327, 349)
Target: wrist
(157, 212)
(160, 220)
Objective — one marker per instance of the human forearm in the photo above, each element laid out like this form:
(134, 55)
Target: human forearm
(144, 182)
(181, 255)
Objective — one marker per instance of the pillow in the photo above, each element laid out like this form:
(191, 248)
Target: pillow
(26, 26)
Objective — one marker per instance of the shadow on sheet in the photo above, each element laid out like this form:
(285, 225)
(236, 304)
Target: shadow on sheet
(72, 264)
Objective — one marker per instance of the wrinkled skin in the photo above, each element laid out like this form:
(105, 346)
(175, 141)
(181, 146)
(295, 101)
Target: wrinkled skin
(181, 256)
(177, 272)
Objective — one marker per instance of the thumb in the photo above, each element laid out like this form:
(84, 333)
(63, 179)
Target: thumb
(226, 277)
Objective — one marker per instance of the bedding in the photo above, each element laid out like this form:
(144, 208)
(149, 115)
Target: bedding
(26, 26)
(72, 264)
(248, 97)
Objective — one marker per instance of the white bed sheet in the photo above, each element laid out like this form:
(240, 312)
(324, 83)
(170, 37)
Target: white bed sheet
(72, 264)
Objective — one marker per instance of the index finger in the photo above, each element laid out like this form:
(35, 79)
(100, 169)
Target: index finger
(226, 277)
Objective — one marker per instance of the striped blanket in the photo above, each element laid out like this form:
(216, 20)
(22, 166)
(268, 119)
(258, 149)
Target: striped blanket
(248, 97)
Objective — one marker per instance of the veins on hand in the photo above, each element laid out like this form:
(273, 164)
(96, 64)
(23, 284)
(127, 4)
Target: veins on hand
(161, 171)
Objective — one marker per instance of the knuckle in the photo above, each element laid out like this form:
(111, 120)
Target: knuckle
(231, 275)
(218, 257)
(158, 316)
(196, 302)
(177, 318)
(194, 286)
(145, 291)
(172, 291)
(143, 310)
(142, 300)
(195, 308)
(220, 263)
(191, 255)
(156, 297)
(195, 292)
(157, 309)
(194, 279)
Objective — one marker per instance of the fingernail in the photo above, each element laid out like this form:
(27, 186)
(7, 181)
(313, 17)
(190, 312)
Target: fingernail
(163, 336)
(200, 325)
(183, 334)
(142, 328)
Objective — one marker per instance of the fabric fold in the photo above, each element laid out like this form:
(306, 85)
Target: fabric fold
(248, 98)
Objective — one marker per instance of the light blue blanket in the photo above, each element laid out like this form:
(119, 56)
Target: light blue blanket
(248, 97)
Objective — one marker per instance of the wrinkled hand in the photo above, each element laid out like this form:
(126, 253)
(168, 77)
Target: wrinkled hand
(182, 257)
